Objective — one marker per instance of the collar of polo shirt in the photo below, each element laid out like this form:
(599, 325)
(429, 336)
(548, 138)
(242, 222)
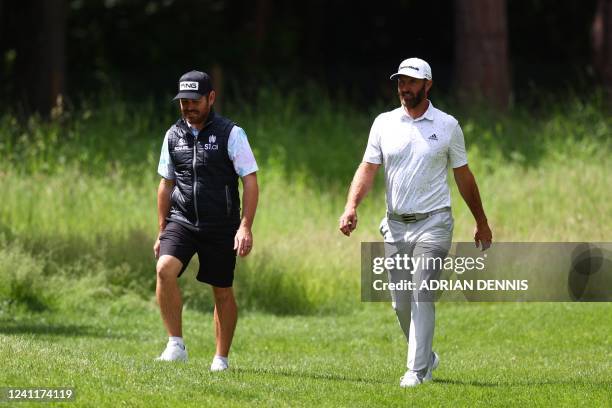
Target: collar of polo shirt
(427, 115)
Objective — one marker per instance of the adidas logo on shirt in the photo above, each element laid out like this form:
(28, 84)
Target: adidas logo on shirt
(433, 137)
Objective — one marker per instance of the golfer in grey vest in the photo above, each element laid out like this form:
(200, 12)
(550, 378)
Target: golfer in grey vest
(416, 143)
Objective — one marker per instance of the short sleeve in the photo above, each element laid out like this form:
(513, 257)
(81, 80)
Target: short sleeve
(165, 168)
(373, 153)
(240, 152)
(456, 151)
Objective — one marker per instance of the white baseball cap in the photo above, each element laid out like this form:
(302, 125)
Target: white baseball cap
(414, 67)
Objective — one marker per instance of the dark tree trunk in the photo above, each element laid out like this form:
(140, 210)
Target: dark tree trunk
(41, 56)
(481, 51)
(263, 9)
(602, 45)
(216, 73)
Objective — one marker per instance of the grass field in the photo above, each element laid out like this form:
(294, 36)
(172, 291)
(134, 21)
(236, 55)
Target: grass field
(492, 355)
(78, 220)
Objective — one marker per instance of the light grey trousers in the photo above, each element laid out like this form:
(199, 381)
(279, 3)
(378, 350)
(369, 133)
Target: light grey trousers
(427, 239)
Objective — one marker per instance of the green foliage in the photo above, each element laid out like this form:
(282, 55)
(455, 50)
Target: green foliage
(22, 283)
(78, 213)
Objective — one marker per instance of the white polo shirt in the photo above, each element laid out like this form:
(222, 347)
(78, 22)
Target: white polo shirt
(416, 154)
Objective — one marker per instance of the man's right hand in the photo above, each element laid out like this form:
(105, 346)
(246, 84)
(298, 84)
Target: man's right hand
(348, 221)
(362, 183)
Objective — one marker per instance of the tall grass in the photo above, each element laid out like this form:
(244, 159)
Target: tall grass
(78, 203)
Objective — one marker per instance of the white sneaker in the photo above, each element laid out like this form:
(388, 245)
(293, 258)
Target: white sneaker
(173, 352)
(411, 379)
(219, 364)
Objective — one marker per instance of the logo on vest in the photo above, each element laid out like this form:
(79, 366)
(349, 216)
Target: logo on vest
(181, 144)
(211, 143)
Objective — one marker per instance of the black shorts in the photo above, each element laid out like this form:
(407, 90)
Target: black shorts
(214, 246)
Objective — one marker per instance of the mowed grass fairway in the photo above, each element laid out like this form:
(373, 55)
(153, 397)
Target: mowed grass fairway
(77, 274)
(531, 354)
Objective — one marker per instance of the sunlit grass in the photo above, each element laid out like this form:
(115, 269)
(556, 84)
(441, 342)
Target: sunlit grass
(80, 193)
(491, 355)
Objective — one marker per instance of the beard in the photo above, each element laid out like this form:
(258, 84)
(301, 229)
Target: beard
(194, 116)
(411, 100)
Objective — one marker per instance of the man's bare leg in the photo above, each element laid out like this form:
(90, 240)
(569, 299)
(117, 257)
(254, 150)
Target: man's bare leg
(169, 295)
(226, 317)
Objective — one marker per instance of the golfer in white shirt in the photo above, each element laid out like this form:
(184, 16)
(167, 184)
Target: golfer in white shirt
(416, 143)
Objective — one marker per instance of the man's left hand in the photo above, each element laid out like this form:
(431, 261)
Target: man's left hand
(483, 236)
(243, 241)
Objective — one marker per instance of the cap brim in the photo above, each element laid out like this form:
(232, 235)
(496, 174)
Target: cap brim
(408, 74)
(187, 95)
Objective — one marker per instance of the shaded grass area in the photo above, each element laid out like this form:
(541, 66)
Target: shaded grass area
(491, 354)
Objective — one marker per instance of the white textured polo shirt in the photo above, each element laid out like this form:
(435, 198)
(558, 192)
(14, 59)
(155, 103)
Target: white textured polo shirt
(416, 154)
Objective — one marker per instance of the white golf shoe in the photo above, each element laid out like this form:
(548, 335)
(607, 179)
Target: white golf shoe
(219, 364)
(173, 352)
(411, 379)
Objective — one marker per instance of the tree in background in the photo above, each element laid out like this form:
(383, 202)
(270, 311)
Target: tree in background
(139, 47)
(481, 51)
(602, 44)
(263, 11)
(40, 54)
(52, 51)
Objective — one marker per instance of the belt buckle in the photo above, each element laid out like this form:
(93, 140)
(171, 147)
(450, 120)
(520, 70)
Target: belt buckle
(409, 218)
